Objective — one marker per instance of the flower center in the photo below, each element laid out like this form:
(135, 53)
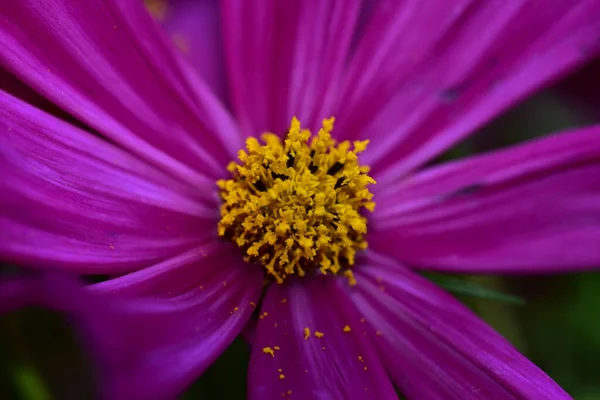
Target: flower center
(294, 206)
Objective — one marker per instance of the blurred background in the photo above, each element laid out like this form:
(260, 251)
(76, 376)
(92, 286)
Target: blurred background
(553, 320)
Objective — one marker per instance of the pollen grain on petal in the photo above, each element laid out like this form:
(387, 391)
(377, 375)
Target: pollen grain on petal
(268, 350)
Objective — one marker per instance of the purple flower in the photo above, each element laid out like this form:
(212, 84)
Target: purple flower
(116, 174)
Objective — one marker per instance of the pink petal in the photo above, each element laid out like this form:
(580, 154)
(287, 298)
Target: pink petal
(530, 208)
(339, 365)
(428, 73)
(71, 200)
(107, 63)
(155, 331)
(194, 27)
(285, 59)
(189, 309)
(435, 348)
(55, 291)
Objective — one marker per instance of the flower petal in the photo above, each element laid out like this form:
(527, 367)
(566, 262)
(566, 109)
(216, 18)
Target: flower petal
(437, 349)
(108, 64)
(168, 322)
(190, 309)
(71, 200)
(194, 26)
(427, 74)
(287, 363)
(55, 291)
(285, 59)
(530, 208)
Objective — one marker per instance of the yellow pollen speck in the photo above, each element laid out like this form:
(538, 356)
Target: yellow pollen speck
(253, 304)
(347, 328)
(279, 370)
(281, 376)
(319, 334)
(351, 279)
(360, 359)
(295, 204)
(365, 368)
(289, 392)
(264, 314)
(306, 333)
(268, 350)
(276, 347)
(283, 301)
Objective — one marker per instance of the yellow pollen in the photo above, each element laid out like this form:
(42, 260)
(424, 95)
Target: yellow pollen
(294, 205)
(319, 334)
(268, 350)
(281, 376)
(306, 333)
(347, 328)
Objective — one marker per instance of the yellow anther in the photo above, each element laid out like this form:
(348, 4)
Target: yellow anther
(294, 205)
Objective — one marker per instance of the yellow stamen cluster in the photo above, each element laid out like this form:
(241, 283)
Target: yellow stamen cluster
(295, 207)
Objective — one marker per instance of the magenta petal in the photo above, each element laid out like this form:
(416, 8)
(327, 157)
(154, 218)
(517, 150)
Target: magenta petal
(428, 73)
(194, 26)
(71, 200)
(285, 58)
(437, 349)
(155, 331)
(188, 310)
(54, 291)
(109, 64)
(339, 365)
(530, 208)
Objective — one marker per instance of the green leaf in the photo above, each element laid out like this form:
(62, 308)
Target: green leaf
(29, 384)
(470, 288)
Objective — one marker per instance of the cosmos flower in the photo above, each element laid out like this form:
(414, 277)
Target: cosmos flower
(118, 162)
